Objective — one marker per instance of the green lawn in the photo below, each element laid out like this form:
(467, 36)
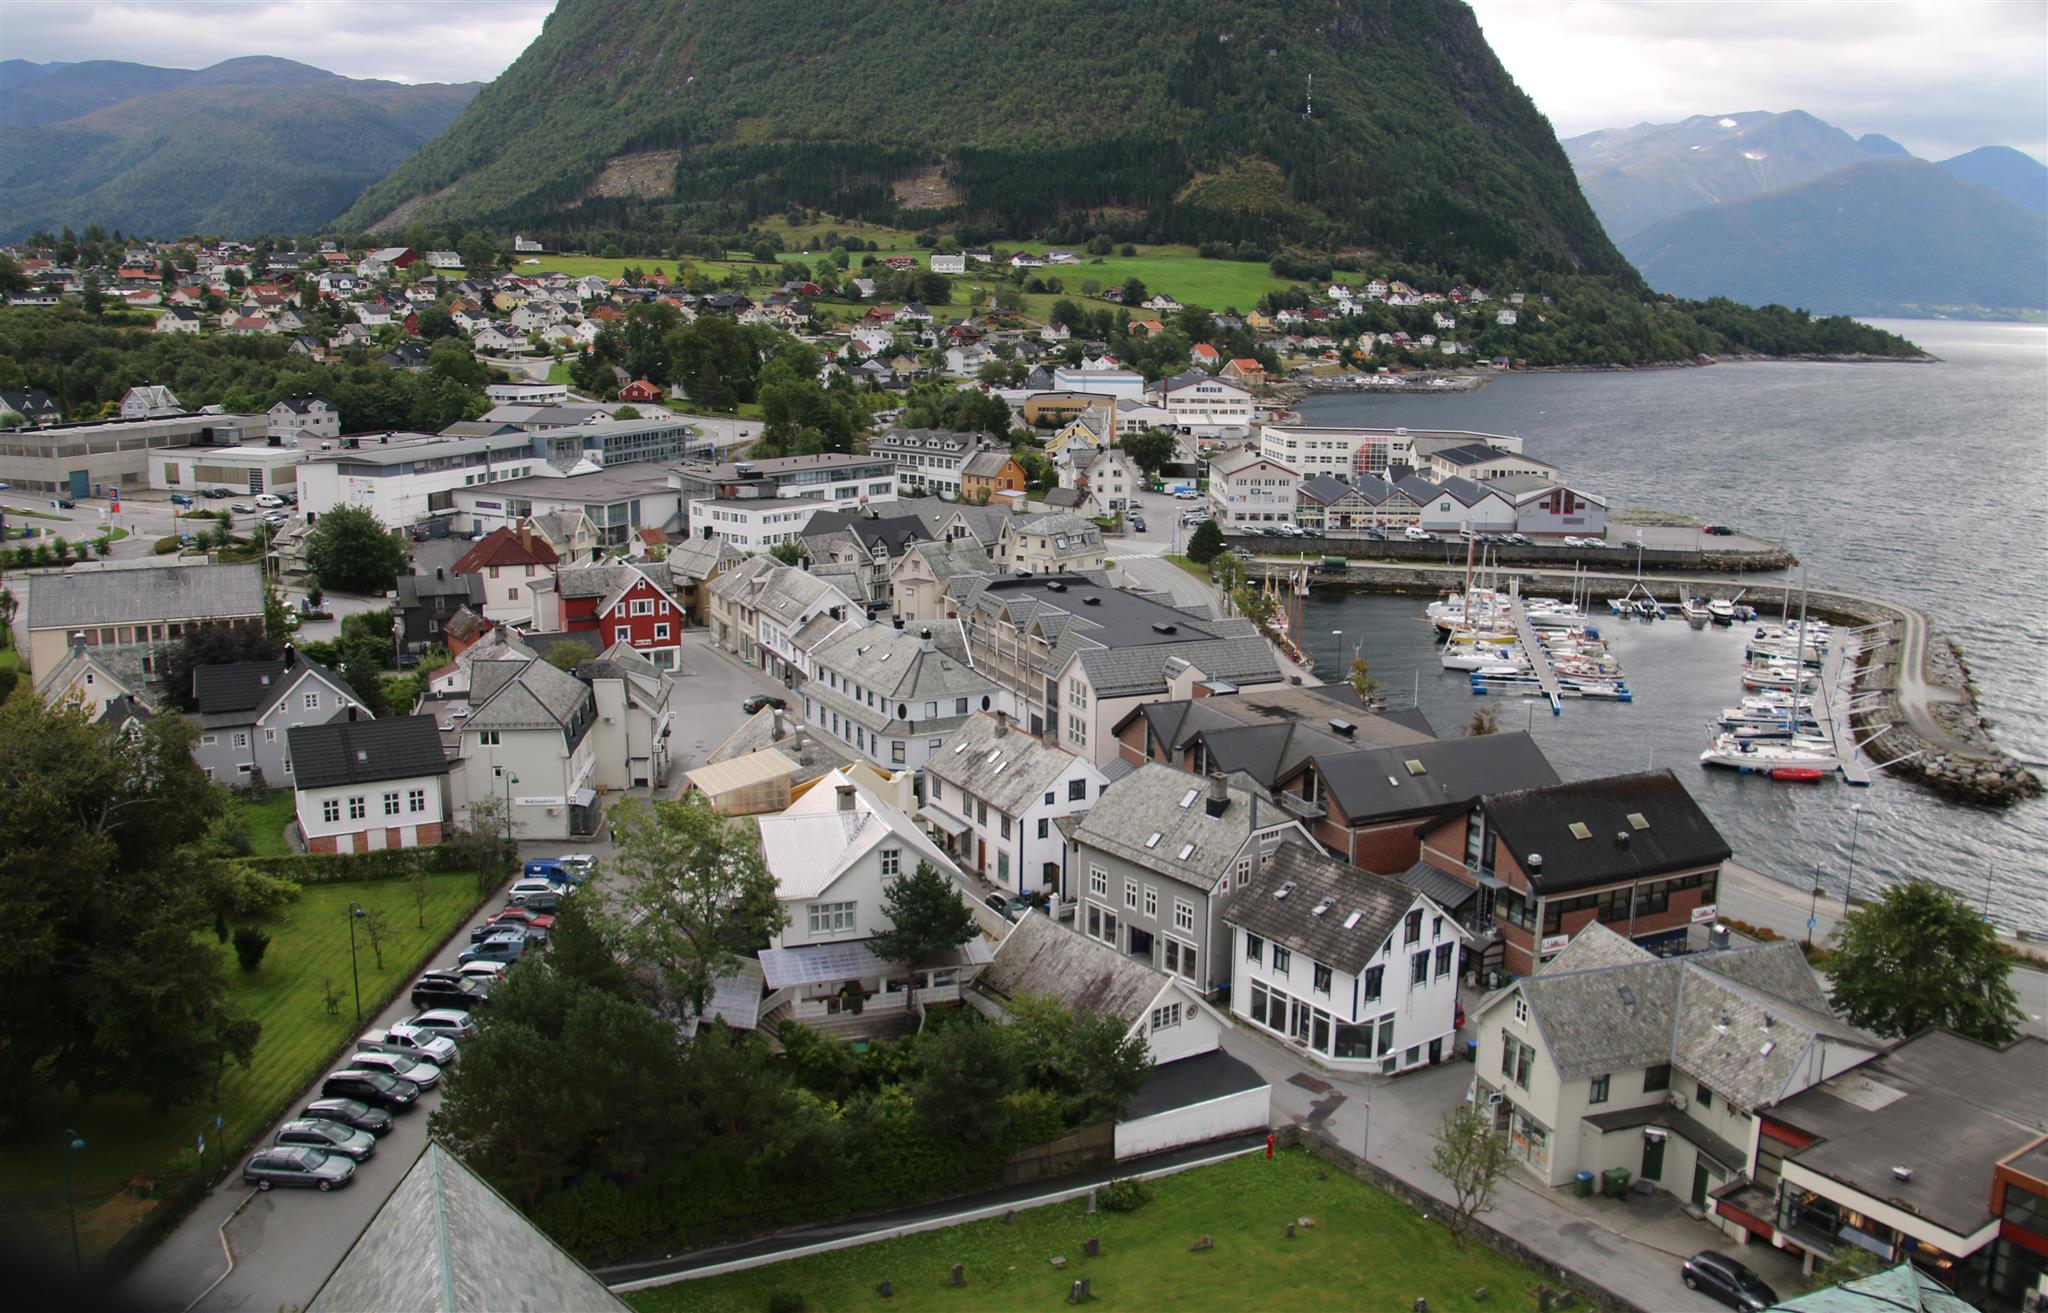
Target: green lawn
(264, 821)
(1365, 1251)
(1198, 571)
(125, 1138)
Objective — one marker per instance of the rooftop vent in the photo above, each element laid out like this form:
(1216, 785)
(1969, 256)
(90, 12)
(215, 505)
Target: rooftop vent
(1165, 628)
(1902, 1174)
(1415, 766)
(361, 755)
(1765, 1051)
(1055, 586)
(1091, 601)
(1580, 830)
(1723, 1022)
(1351, 922)
(1638, 821)
(1393, 783)
(1621, 838)
(1343, 728)
(1628, 996)
(1533, 864)
(1153, 842)
(1323, 908)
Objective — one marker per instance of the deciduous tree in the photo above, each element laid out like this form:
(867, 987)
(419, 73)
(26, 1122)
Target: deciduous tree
(1471, 1155)
(350, 550)
(928, 918)
(1921, 957)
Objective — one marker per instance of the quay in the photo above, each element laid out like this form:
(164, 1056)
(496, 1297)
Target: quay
(1914, 711)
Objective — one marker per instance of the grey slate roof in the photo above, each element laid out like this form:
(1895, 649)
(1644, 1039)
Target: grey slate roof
(79, 599)
(1149, 801)
(1008, 769)
(249, 686)
(446, 1242)
(526, 695)
(366, 751)
(1065, 498)
(1676, 835)
(1362, 911)
(1455, 772)
(1440, 887)
(902, 669)
(1041, 956)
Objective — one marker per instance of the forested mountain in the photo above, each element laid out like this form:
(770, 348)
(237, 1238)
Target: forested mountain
(246, 146)
(1634, 177)
(1328, 122)
(2014, 174)
(1886, 237)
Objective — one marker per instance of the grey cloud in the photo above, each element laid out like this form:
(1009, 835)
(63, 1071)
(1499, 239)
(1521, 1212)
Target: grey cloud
(1941, 78)
(426, 41)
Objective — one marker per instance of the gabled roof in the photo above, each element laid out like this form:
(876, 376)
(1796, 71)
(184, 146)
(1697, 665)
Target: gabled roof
(1901, 1289)
(1359, 910)
(502, 547)
(1375, 783)
(524, 695)
(446, 1242)
(92, 598)
(809, 845)
(353, 751)
(1191, 846)
(1039, 956)
(1634, 825)
(998, 762)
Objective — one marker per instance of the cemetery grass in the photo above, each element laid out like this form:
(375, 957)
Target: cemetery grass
(1377, 1251)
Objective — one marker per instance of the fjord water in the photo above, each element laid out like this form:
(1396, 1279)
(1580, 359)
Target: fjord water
(1923, 483)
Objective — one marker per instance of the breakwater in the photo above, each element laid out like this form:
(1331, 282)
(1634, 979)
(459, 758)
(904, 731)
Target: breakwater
(1922, 724)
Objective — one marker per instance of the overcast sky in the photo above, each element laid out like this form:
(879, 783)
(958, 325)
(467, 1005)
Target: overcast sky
(1938, 76)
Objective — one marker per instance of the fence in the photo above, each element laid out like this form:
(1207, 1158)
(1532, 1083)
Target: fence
(339, 868)
(1451, 551)
(1091, 1146)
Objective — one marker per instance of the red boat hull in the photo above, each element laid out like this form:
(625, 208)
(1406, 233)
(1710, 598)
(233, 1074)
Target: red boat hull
(1800, 774)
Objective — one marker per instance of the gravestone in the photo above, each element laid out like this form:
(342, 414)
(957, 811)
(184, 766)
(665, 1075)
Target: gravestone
(1009, 1216)
(1209, 1242)
(1091, 1203)
(1091, 1248)
(1481, 1295)
(1078, 1292)
(1059, 1261)
(958, 1276)
(1421, 1306)
(1545, 1298)
(886, 1291)
(1290, 1230)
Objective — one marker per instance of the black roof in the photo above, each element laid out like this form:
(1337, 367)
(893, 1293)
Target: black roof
(1362, 909)
(1673, 833)
(1185, 1082)
(1452, 773)
(891, 531)
(235, 686)
(366, 751)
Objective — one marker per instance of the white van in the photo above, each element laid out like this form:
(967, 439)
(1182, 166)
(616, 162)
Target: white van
(1416, 533)
(269, 500)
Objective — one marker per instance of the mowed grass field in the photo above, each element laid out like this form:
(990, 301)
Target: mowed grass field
(264, 821)
(125, 1138)
(1366, 1250)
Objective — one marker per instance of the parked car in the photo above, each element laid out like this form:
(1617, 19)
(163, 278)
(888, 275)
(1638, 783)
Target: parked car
(461, 975)
(536, 922)
(214, 494)
(242, 508)
(1728, 1281)
(1241, 552)
(464, 995)
(269, 500)
(1415, 533)
(484, 973)
(407, 1042)
(1138, 523)
(298, 1165)
(578, 865)
(379, 1089)
(180, 499)
(1720, 530)
(65, 503)
(546, 902)
(351, 1113)
(327, 1137)
(1186, 494)
(506, 946)
(423, 1074)
(531, 887)
(760, 700)
(1572, 540)
(450, 1022)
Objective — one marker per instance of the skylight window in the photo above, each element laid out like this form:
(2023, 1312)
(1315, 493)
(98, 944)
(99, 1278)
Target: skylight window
(1638, 821)
(1153, 842)
(1351, 922)
(1579, 830)
(1185, 850)
(1415, 766)
(1284, 890)
(1188, 799)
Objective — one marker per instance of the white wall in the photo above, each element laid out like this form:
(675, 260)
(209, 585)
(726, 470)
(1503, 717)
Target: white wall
(1232, 1114)
(369, 831)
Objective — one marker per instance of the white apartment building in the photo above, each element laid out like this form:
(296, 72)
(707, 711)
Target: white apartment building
(527, 394)
(403, 478)
(992, 795)
(1310, 449)
(1124, 384)
(754, 524)
(1247, 487)
(1198, 401)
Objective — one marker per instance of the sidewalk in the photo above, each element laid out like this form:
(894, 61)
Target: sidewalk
(756, 1252)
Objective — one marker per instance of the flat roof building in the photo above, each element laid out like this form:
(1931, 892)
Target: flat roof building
(86, 460)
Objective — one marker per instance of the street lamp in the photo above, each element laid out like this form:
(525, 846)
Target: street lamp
(72, 1144)
(355, 913)
(1812, 914)
(510, 780)
(1855, 824)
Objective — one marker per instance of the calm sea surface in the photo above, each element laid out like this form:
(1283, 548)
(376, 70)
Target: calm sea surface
(1927, 484)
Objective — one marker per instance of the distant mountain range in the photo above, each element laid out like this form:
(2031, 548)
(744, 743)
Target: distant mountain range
(246, 146)
(1786, 208)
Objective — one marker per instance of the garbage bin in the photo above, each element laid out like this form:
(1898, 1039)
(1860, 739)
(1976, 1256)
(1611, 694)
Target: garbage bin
(1614, 1182)
(1582, 1185)
(1471, 1050)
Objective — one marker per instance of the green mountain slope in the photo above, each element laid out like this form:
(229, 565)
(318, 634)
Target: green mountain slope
(1891, 236)
(247, 146)
(1017, 116)
(51, 93)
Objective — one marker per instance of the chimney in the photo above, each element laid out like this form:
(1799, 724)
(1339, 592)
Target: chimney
(1533, 864)
(1002, 723)
(1621, 838)
(526, 535)
(846, 792)
(781, 724)
(78, 642)
(1717, 935)
(1219, 794)
(440, 572)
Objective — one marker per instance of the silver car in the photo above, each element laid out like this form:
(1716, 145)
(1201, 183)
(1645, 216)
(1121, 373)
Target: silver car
(409, 1043)
(298, 1165)
(327, 1137)
(423, 1074)
(450, 1022)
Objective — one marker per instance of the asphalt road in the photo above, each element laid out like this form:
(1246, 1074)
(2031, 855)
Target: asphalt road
(285, 1242)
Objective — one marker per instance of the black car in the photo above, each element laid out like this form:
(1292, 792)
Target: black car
(352, 1113)
(298, 1165)
(760, 700)
(1728, 1281)
(442, 992)
(373, 1087)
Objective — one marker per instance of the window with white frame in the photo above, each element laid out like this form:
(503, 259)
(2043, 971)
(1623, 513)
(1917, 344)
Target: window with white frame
(416, 800)
(1254, 948)
(312, 701)
(832, 918)
(1098, 882)
(358, 807)
(643, 606)
(330, 810)
(661, 631)
(1180, 958)
(1164, 1018)
(1321, 976)
(1183, 915)
(391, 804)
(241, 738)
(270, 736)
(1077, 790)
(1130, 893)
(1444, 958)
(892, 862)
(1283, 960)
(1521, 1010)
(1151, 902)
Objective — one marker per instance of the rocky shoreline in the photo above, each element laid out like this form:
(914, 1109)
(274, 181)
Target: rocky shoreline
(1460, 382)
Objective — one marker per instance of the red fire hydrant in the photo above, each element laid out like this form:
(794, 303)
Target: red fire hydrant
(1269, 1146)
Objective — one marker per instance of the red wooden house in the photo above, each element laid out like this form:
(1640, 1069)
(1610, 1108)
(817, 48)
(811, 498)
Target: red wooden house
(613, 603)
(640, 390)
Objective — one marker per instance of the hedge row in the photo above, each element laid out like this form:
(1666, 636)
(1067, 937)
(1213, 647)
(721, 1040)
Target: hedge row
(337, 868)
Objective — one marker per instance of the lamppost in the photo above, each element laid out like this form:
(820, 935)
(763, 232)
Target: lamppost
(1855, 824)
(355, 913)
(1812, 914)
(510, 780)
(72, 1144)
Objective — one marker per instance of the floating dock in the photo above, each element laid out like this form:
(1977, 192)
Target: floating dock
(1539, 655)
(1831, 709)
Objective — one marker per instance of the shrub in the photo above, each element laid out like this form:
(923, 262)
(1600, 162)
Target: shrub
(250, 945)
(1126, 1195)
(165, 546)
(1035, 1116)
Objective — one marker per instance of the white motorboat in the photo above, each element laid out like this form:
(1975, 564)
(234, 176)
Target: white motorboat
(1721, 611)
(1795, 755)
